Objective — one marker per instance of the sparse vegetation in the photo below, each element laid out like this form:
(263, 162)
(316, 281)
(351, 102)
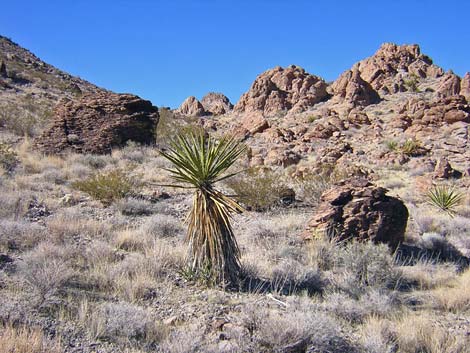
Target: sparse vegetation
(411, 148)
(8, 158)
(108, 186)
(259, 189)
(411, 83)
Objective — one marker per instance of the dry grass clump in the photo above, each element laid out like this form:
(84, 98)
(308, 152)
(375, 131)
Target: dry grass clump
(411, 333)
(71, 223)
(426, 275)
(20, 235)
(122, 323)
(26, 340)
(161, 226)
(456, 297)
(293, 330)
(45, 271)
(134, 207)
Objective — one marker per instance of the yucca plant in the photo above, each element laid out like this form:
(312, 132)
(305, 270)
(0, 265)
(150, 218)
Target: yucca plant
(445, 197)
(200, 161)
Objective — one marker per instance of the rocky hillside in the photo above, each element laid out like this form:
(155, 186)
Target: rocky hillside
(30, 88)
(397, 96)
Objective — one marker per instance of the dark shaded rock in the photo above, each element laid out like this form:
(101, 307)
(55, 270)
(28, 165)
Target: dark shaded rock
(96, 123)
(444, 170)
(3, 70)
(357, 209)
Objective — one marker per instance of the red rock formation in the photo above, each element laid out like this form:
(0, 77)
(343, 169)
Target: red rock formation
(391, 64)
(216, 103)
(449, 85)
(98, 122)
(282, 89)
(191, 107)
(352, 89)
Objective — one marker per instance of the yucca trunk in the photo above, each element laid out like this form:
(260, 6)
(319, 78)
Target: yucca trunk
(212, 243)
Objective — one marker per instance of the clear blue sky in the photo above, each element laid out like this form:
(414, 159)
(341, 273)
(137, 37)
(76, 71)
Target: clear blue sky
(167, 50)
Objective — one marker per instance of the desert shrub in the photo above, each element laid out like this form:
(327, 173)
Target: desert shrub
(23, 339)
(363, 265)
(371, 303)
(411, 148)
(309, 187)
(294, 331)
(290, 276)
(109, 186)
(444, 197)
(8, 158)
(162, 226)
(93, 160)
(19, 235)
(170, 125)
(134, 207)
(45, 272)
(411, 83)
(259, 189)
(391, 145)
(125, 323)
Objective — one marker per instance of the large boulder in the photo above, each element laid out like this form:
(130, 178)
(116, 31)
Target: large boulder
(216, 103)
(352, 89)
(98, 122)
(357, 209)
(191, 107)
(283, 89)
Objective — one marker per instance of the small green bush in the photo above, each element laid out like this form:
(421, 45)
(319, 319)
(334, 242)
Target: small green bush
(412, 83)
(258, 189)
(8, 158)
(445, 198)
(411, 148)
(391, 145)
(108, 187)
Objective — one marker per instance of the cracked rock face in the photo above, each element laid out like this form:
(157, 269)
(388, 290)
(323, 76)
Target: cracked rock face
(216, 103)
(283, 89)
(357, 209)
(96, 123)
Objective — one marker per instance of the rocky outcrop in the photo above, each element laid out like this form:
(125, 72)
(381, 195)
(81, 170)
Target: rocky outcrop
(191, 107)
(352, 89)
(445, 110)
(283, 89)
(465, 86)
(392, 64)
(98, 122)
(356, 209)
(216, 104)
(449, 85)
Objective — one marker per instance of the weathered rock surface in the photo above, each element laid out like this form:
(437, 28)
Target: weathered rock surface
(216, 103)
(352, 89)
(449, 85)
(356, 209)
(392, 64)
(98, 122)
(465, 86)
(283, 89)
(191, 107)
(3, 70)
(445, 110)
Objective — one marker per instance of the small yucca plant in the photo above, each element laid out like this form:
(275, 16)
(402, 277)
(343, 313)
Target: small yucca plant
(445, 197)
(200, 162)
